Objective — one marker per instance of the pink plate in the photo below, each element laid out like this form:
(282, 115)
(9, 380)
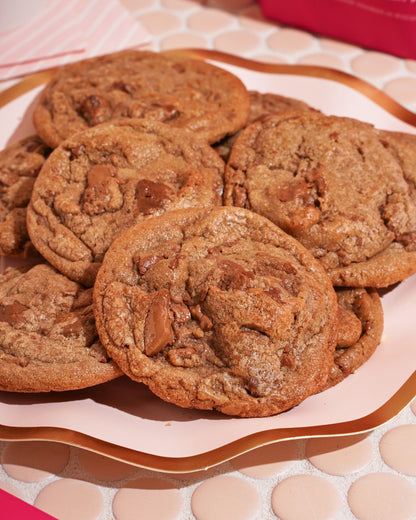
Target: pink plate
(123, 420)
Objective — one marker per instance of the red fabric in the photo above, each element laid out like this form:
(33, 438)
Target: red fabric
(384, 25)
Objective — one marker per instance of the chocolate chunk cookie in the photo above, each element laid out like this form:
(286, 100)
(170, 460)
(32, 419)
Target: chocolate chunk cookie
(335, 185)
(403, 147)
(20, 164)
(360, 326)
(261, 104)
(186, 93)
(101, 181)
(217, 309)
(48, 339)
(266, 103)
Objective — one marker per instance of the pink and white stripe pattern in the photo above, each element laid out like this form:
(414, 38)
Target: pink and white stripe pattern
(69, 30)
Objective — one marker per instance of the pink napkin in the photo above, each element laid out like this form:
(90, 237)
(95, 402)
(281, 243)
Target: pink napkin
(69, 30)
(15, 508)
(385, 25)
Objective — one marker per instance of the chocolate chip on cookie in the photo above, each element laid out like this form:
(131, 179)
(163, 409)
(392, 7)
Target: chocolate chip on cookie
(47, 333)
(20, 164)
(105, 179)
(333, 184)
(360, 327)
(186, 93)
(217, 308)
(261, 104)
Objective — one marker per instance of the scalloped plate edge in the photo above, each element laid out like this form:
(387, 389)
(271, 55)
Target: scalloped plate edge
(205, 460)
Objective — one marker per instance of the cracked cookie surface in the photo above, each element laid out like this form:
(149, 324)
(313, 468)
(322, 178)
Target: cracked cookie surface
(335, 185)
(103, 180)
(185, 93)
(261, 104)
(360, 327)
(217, 308)
(48, 339)
(20, 164)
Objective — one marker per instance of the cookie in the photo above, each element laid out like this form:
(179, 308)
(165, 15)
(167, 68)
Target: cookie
(333, 184)
(403, 143)
(265, 103)
(217, 309)
(101, 181)
(47, 333)
(261, 104)
(20, 164)
(403, 146)
(360, 327)
(186, 93)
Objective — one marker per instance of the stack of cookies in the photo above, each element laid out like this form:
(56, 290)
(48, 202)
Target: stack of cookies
(222, 246)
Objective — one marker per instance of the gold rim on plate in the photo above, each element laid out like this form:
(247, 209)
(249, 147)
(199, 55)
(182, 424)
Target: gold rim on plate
(400, 399)
(203, 461)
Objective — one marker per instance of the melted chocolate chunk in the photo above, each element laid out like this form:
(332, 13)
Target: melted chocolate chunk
(151, 196)
(204, 321)
(103, 192)
(234, 276)
(297, 189)
(181, 313)
(76, 328)
(144, 263)
(125, 87)
(95, 109)
(99, 175)
(158, 332)
(13, 313)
